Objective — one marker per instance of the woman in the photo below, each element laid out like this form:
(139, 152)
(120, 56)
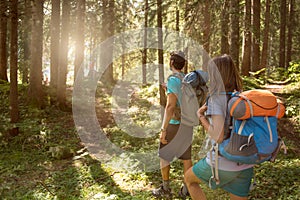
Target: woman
(232, 177)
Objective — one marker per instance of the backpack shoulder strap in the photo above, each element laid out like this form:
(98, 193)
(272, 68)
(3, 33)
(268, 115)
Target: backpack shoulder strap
(231, 123)
(177, 75)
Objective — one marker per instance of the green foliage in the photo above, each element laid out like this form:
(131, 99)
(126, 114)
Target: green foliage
(293, 103)
(294, 71)
(293, 91)
(282, 183)
(251, 83)
(276, 74)
(47, 161)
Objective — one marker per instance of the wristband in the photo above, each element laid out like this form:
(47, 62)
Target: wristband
(163, 130)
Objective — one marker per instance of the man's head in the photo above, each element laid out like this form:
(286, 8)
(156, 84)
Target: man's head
(177, 60)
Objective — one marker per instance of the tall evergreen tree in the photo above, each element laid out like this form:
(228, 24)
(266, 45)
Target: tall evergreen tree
(79, 56)
(264, 52)
(282, 42)
(256, 35)
(35, 78)
(235, 31)
(160, 52)
(13, 95)
(246, 62)
(3, 40)
(124, 18)
(26, 36)
(291, 24)
(63, 55)
(108, 26)
(206, 31)
(225, 27)
(177, 28)
(144, 56)
(54, 45)
(206, 25)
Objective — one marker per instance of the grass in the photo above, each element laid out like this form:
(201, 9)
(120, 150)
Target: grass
(48, 161)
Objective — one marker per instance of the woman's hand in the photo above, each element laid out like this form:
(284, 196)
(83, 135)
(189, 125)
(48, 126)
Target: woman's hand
(201, 110)
(163, 137)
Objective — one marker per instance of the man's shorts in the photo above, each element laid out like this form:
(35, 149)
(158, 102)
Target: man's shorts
(235, 182)
(179, 144)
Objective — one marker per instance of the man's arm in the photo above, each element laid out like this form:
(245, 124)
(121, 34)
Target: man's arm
(169, 111)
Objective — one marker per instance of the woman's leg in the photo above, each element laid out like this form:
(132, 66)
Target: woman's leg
(192, 182)
(187, 164)
(234, 197)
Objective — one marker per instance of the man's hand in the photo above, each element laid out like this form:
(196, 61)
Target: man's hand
(164, 86)
(163, 137)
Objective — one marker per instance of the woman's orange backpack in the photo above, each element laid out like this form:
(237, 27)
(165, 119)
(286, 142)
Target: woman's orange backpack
(255, 103)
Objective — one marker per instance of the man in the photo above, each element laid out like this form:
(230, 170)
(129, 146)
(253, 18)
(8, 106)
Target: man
(174, 139)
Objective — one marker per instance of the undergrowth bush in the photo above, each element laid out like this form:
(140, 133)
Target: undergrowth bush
(293, 71)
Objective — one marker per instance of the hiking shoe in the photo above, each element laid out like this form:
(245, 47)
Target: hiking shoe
(183, 195)
(162, 193)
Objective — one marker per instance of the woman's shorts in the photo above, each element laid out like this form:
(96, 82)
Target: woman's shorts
(179, 144)
(235, 182)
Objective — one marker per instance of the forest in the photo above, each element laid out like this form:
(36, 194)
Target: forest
(80, 91)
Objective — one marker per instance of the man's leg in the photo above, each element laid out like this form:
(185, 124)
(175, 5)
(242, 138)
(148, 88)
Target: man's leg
(192, 182)
(164, 190)
(184, 190)
(165, 173)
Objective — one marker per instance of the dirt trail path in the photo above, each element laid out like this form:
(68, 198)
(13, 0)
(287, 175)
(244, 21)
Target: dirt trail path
(277, 89)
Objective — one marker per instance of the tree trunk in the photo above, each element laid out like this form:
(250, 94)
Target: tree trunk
(160, 41)
(3, 39)
(144, 57)
(108, 31)
(160, 53)
(282, 33)
(26, 43)
(206, 26)
(124, 12)
(225, 28)
(206, 32)
(35, 79)
(79, 56)
(54, 46)
(291, 24)
(177, 28)
(246, 63)
(186, 15)
(63, 56)
(235, 31)
(256, 35)
(186, 29)
(13, 95)
(264, 53)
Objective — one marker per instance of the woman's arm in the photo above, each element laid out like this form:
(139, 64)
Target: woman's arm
(216, 128)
